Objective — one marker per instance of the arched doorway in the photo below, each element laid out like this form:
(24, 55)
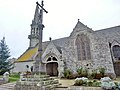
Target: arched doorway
(52, 68)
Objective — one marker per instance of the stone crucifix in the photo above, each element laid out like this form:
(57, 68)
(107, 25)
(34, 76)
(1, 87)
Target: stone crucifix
(38, 63)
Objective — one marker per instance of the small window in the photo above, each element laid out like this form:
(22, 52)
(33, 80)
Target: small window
(116, 52)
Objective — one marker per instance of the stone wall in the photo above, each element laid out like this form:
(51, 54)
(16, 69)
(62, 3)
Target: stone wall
(21, 66)
(37, 82)
(100, 50)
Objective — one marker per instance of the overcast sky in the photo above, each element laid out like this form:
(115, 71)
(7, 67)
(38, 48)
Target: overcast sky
(16, 17)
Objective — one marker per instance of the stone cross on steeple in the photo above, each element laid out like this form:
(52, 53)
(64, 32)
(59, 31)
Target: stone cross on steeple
(41, 11)
(38, 67)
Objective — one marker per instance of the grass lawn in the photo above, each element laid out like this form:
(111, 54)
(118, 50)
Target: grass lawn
(14, 77)
(1, 76)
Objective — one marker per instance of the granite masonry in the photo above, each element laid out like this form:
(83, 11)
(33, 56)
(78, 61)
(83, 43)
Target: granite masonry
(84, 47)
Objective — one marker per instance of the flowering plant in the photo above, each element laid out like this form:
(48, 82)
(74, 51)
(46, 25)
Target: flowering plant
(81, 81)
(107, 84)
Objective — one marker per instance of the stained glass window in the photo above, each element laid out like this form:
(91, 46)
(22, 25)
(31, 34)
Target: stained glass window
(83, 47)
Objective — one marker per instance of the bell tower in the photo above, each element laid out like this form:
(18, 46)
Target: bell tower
(34, 29)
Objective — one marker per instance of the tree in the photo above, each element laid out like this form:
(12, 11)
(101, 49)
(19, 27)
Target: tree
(4, 55)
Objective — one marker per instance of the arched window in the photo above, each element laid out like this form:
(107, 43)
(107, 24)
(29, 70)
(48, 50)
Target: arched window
(83, 47)
(54, 59)
(116, 51)
(37, 31)
(32, 31)
(49, 59)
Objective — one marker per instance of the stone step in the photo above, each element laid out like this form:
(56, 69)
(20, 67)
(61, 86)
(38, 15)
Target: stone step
(49, 82)
(37, 76)
(45, 82)
(49, 87)
(8, 86)
(61, 88)
(56, 85)
(38, 79)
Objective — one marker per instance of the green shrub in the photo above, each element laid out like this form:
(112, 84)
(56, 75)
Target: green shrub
(89, 83)
(82, 72)
(116, 83)
(79, 82)
(68, 74)
(93, 74)
(89, 76)
(93, 83)
(79, 71)
(102, 71)
(96, 84)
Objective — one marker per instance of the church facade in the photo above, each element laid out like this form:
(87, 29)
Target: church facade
(82, 48)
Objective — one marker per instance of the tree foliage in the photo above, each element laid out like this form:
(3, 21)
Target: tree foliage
(4, 55)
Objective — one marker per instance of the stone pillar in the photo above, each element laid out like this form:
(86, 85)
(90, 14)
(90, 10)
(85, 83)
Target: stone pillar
(61, 68)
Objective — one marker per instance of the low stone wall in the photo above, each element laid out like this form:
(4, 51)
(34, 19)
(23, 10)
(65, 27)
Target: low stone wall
(2, 81)
(78, 88)
(27, 86)
(83, 88)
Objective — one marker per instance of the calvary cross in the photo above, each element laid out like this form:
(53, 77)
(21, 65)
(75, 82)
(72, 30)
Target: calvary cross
(41, 6)
(38, 63)
(41, 26)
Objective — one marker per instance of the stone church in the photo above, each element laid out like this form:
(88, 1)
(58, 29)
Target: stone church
(84, 47)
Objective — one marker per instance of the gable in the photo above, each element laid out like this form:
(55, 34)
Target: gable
(51, 49)
(80, 27)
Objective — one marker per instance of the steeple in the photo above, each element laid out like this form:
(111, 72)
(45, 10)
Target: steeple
(36, 15)
(37, 26)
(34, 29)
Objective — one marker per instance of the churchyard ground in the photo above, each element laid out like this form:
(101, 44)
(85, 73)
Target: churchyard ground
(65, 82)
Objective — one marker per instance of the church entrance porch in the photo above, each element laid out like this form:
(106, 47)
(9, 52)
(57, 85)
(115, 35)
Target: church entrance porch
(52, 68)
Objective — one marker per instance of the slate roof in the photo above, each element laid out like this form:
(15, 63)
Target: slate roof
(59, 43)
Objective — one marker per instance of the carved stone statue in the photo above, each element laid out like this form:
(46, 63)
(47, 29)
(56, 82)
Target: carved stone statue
(6, 76)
